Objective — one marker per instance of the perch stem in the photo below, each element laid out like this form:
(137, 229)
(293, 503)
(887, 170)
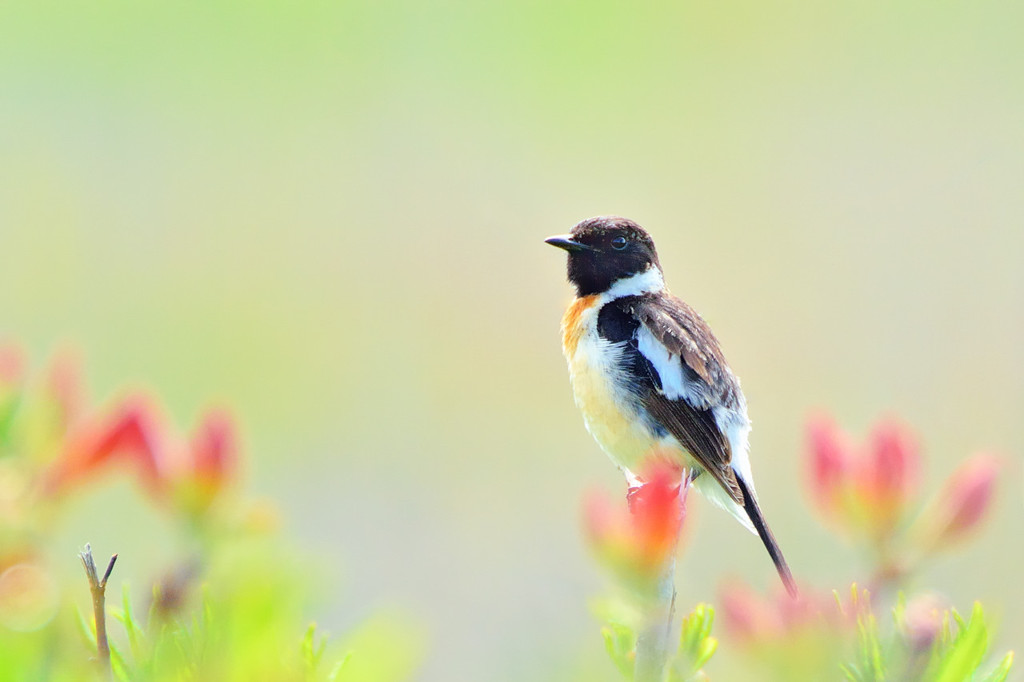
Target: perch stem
(98, 589)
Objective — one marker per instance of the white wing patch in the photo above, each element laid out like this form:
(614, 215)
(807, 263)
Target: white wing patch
(668, 366)
(674, 383)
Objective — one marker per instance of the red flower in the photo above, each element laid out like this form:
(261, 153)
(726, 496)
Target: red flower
(131, 435)
(188, 476)
(639, 542)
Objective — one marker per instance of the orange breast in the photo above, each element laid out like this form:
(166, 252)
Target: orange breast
(572, 323)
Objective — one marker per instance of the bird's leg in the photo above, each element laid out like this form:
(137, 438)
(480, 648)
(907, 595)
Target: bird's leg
(634, 483)
(685, 483)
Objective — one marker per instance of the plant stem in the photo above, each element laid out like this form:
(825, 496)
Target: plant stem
(654, 642)
(98, 589)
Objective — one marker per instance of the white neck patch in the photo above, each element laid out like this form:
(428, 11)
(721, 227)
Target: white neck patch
(650, 281)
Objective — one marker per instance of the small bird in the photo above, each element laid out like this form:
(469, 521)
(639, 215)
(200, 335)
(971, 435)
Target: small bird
(648, 373)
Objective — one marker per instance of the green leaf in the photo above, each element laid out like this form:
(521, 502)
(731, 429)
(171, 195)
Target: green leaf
(968, 649)
(118, 665)
(338, 667)
(1002, 670)
(619, 643)
(134, 632)
(86, 628)
(851, 672)
(696, 627)
(696, 645)
(870, 666)
(705, 652)
(312, 653)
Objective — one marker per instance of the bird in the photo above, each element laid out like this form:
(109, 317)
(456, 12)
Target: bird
(649, 375)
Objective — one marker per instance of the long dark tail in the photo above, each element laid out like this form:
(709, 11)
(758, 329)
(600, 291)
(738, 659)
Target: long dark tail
(754, 512)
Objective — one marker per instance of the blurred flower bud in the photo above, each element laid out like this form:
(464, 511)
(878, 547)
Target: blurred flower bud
(639, 542)
(864, 491)
(172, 592)
(962, 504)
(800, 637)
(657, 513)
(12, 365)
(131, 434)
(888, 476)
(921, 621)
(12, 371)
(213, 455)
(746, 615)
(64, 389)
(752, 618)
(830, 460)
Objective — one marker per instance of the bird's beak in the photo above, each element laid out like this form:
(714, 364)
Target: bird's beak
(564, 241)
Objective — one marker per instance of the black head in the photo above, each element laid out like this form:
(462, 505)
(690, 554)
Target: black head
(605, 249)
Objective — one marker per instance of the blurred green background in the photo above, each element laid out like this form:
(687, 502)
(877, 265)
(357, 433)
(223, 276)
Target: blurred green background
(329, 216)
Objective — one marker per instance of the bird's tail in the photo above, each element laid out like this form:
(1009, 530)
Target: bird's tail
(765, 533)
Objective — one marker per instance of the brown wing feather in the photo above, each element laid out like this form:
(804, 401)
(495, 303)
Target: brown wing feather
(673, 330)
(697, 432)
(684, 333)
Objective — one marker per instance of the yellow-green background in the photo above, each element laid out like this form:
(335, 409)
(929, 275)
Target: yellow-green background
(329, 216)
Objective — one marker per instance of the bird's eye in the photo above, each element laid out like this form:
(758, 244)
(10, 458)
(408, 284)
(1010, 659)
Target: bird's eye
(619, 243)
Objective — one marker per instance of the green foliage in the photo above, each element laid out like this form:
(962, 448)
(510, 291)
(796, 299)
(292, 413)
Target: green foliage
(686, 664)
(245, 629)
(869, 666)
(696, 646)
(619, 642)
(959, 657)
(231, 607)
(945, 648)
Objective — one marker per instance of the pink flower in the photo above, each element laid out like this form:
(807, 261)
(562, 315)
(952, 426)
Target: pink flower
(921, 621)
(12, 376)
(753, 619)
(64, 388)
(748, 616)
(963, 502)
(12, 366)
(862, 489)
(889, 472)
(212, 455)
(830, 460)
